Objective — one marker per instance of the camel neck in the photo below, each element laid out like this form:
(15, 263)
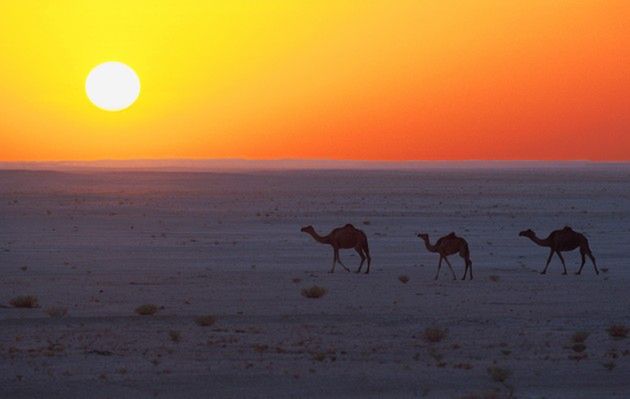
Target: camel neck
(318, 238)
(543, 243)
(427, 243)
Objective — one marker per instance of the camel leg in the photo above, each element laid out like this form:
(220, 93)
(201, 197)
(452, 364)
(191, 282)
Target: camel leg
(585, 250)
(470, 266)
(590, 255)
(548, 260)
(369, 259)
(439, 267)
(466, 269)
(341, 263)
(362, 259)
(450, 267)
(582, 265)
(335, 256)
(562, 260)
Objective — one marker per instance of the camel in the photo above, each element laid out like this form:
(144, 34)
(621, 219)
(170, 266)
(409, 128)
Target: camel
(563, 241)
(346, 237)
(448, 245)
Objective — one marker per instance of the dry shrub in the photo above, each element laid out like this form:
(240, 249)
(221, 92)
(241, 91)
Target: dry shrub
(57, 312)
(434, 334)
(618, 331)
(175, 336)
(205, 321)
(260, 348)
(314, 292)
(296, 280)
(579, 337)
(403, 279)
(609, 365)
(24, 301)
(499, 374)
(146, 310)
(579, 348)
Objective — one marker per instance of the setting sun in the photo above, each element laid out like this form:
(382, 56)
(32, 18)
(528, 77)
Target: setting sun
(112, 86)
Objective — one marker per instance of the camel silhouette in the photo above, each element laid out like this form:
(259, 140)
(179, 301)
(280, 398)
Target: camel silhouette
(346, 237)
(448, 245)
(563, 241)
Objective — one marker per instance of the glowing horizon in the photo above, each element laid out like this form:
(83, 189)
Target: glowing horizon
(410, 80)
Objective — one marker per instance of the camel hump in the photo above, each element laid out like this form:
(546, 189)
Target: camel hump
(567, 228)
(451, 234)
(349, 226)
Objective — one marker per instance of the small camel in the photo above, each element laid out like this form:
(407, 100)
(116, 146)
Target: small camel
(563, 241)
(346, 237)
(448, 245)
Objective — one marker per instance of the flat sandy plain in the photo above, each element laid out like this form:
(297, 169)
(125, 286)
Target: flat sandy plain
(99, 244)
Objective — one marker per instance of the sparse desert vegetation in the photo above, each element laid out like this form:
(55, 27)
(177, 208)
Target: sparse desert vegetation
(578, 347)
(579, 337)
(609, 365)
(175, 336)
(499, 374)
(57, 312)
(314, 292)
(434, 334)
(205, 321)
(146, 310)
(403, 279)
(24, 301)
(618, 331)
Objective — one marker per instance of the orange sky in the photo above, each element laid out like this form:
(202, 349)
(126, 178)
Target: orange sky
(329, 79)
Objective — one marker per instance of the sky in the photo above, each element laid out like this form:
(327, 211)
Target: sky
(348, 80)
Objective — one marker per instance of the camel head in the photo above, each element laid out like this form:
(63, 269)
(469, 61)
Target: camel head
(527, 233)
(307, 229)
(423, 236)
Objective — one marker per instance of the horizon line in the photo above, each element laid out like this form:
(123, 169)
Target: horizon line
(236, 164)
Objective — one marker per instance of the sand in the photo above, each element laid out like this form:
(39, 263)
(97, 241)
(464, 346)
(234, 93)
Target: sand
(99, 244)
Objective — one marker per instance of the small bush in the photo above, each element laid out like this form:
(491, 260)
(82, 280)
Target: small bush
(314, 292)
(609, 365)
(260, 348)
(403, 279)
(618, 331)
(205, 321)
(499, 374)
(434, 334)
(579, 337)
(57, 312)
(579, 348)
(146, 310)
(175, 336)
(25, 301)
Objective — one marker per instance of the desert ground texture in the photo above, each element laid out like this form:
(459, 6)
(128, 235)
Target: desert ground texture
(222, 259)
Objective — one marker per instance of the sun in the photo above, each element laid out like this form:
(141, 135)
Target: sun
(112, 86)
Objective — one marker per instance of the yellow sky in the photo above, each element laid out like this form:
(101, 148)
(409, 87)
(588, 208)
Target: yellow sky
(326, 79)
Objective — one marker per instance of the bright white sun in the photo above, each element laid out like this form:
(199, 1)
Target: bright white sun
(112, 86)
